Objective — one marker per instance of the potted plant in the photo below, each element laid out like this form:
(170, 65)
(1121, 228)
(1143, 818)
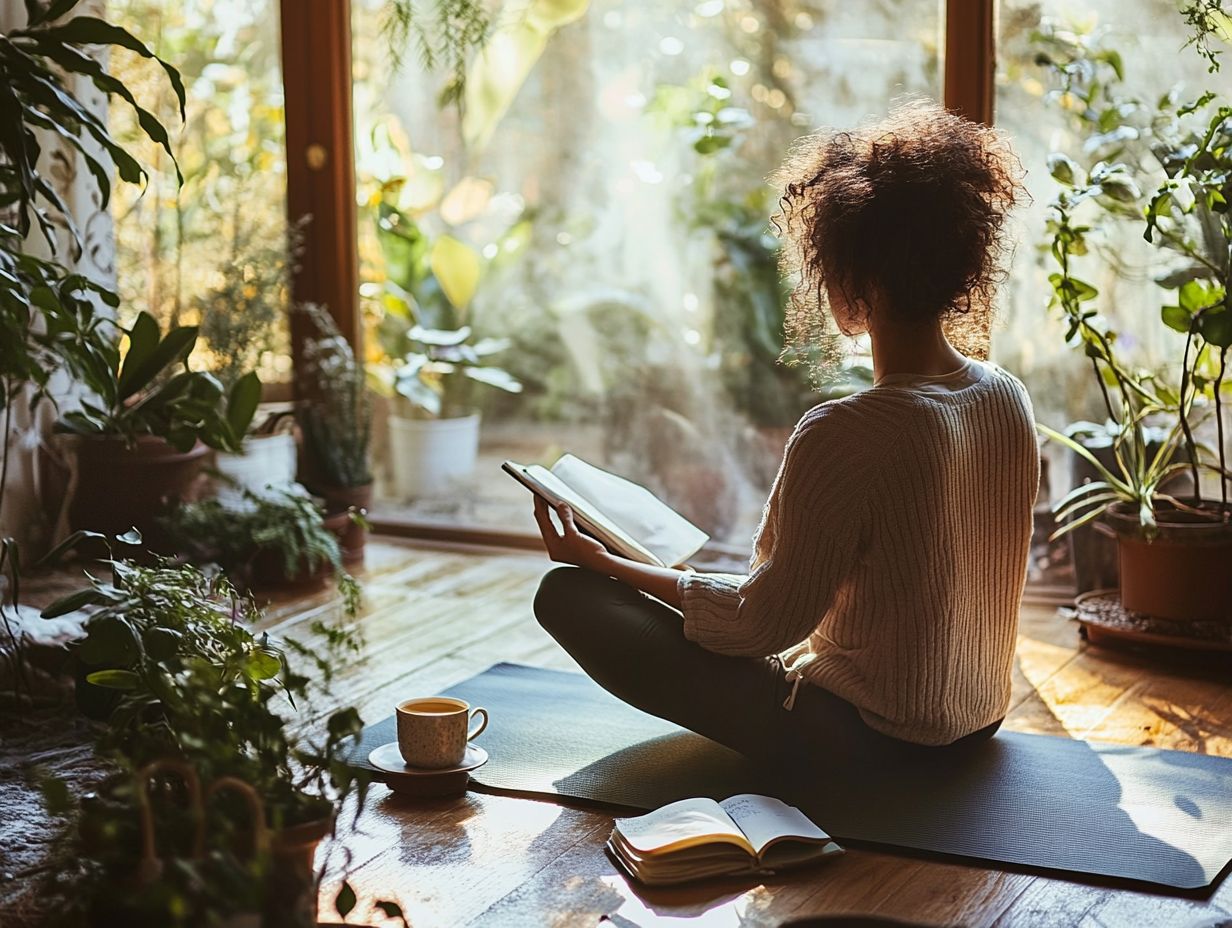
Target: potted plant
(245, 327)
(430, 360)
(266, 459)
(335, 419)
(1174, 551)
(279, 539)
(140, 442)
(434, 429)
(196, 686)
(52, 318)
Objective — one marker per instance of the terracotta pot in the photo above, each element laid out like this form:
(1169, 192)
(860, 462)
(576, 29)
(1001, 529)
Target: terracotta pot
(1183, 574)
(266, 571)
(339, 501)
(120, 487)
(291, 885)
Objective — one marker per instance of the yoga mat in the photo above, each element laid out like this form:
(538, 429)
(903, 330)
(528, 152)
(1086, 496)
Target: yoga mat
(1133, 813)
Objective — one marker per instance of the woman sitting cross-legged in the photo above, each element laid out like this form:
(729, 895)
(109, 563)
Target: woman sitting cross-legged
(881, 607)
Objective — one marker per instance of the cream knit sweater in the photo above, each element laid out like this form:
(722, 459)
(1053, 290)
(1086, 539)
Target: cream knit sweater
(892, 553)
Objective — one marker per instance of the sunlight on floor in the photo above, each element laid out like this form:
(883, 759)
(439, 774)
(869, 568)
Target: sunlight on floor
(727, 911)
(1076, 697)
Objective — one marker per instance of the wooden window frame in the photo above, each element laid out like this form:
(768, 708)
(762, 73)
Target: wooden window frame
(970, 58)
(317, 79)
(316, 75)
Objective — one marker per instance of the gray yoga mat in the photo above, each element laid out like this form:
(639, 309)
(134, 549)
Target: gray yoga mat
(1132, 813)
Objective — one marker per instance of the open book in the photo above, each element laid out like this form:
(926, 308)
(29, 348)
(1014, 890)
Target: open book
(628, 519)
(697, 838)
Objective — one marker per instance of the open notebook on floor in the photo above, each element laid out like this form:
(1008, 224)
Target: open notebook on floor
(697, 838)
(627, 518)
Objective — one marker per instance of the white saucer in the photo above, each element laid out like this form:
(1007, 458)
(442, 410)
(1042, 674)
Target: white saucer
(388, 758)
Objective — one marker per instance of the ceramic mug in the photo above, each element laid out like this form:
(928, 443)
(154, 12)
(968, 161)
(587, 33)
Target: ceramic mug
(432, 731)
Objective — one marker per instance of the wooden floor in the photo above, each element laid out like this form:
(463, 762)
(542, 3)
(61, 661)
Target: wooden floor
(435, 616)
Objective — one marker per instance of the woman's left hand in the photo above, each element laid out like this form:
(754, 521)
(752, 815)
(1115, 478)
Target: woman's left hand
(569, 546)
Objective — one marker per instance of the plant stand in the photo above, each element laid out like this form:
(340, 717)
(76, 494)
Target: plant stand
(1105, 621)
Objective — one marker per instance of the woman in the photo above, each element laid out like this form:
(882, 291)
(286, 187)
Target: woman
(881, 608)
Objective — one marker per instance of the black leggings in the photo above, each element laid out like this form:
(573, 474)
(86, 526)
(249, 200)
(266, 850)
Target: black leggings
(634, 647)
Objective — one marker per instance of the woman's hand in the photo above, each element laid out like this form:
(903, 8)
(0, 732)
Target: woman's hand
(569, 546)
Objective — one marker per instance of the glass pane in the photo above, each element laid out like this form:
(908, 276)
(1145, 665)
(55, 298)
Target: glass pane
(216, 255)
(1144, 38)
(597, 213)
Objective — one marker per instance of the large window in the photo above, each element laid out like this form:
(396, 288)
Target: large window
(595, 206)
(212, 252)
(1144, 40)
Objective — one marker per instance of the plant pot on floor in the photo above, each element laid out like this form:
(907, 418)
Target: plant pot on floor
(267, 572)
(119, 487)
(1093, 551)
(266, 461)
(430, 456)
(291, 900)
(1184, 573)
(339, 503)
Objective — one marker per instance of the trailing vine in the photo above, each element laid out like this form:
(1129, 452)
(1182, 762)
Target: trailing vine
(444, 38)
(1207, 18)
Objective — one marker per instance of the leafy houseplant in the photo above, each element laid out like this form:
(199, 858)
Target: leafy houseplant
(51, 317)
(728, 207)
(278, 539)
(431, 364)
(194, 684)
(142, 440)
(335, 418)
(1174, 551)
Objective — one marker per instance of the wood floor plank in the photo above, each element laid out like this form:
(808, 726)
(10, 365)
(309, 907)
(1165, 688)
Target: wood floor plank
(447, 864)
(434, 617)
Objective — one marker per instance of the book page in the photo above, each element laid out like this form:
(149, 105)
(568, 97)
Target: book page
(542, 481)
(682, 824)
(660, 529)
(765, 820)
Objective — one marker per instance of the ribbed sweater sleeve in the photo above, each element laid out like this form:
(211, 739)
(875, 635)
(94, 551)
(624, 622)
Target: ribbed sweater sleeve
(802, 554)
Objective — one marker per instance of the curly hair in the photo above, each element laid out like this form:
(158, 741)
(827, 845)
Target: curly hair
(912, 209)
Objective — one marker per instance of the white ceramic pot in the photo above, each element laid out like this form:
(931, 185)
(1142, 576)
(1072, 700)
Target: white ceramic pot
(267, 461)
(429, 456)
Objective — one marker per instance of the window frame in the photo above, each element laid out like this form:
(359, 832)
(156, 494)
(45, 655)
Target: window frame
(317, 79)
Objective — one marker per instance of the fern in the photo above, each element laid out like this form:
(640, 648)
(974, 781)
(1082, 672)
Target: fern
(282, 521)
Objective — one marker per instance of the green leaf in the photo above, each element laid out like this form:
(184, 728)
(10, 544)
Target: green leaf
(52, 557)
(1216, 327)
(1113, 57)
(1103, 472)
(440, 338)
(1062, 168)
(1121, 188)
(109, 641)
(344, 902)
(143, 340)
(175, 347)
(1195, 295)
(1174, 317)
(263, 665)
(114, 679)
(161, 643)
(73, 602)
(89, 30)
(242, 403)
(456, 268)
(494, 377)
